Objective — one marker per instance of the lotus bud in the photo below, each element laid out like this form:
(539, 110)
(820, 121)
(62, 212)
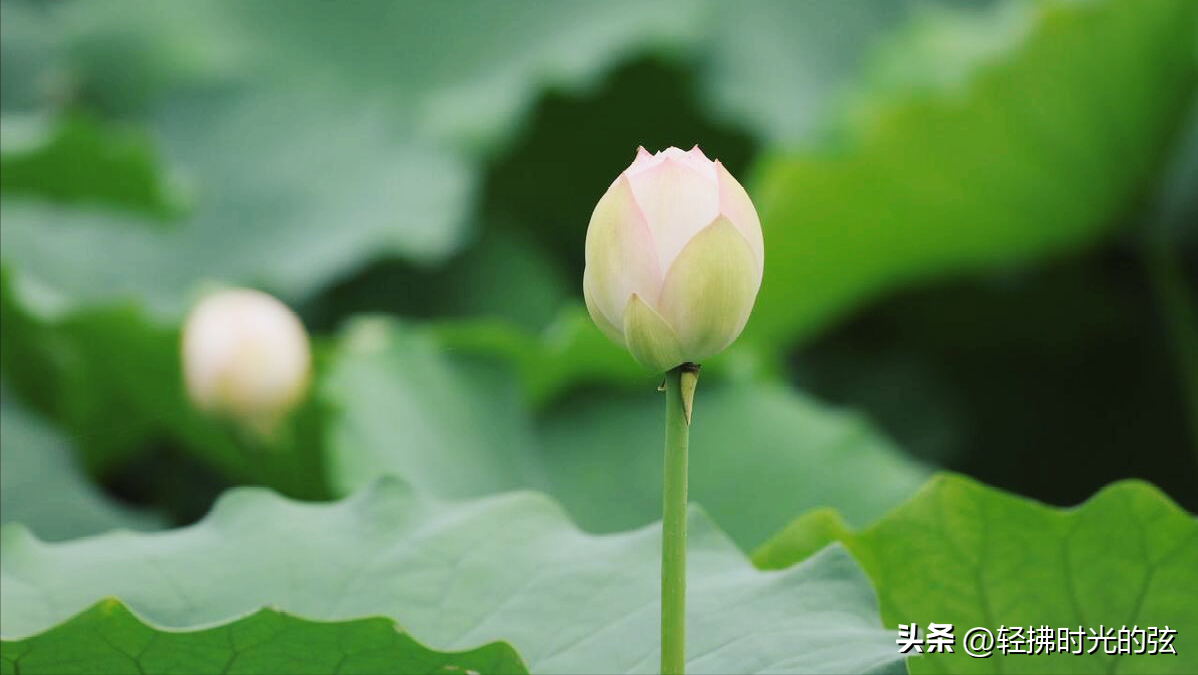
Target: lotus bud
(245, 357)
(674, 258)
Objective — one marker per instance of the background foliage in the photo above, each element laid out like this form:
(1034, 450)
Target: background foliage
(981, 252)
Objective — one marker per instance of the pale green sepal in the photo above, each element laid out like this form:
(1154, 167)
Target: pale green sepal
(652, 341)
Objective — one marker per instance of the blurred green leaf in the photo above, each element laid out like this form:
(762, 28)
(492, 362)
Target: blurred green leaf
(285, 201)
(1176, 202)
(108, 638)
(779, 67)
(62, 369)
(457, 575)
(569, 352)
(456, 425)
(41, 486)
(983, 139)
(759, 455)
(29, 57)
(401, 405)
(76, 159)
(475, 94)
(503, 276)
(471, 95)
(966, 554)
(111, 378)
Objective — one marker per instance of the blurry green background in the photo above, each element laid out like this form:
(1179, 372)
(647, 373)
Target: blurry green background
(980, 224)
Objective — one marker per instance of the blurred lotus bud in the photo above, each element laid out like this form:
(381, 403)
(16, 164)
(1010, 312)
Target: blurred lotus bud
(674, 258)
(245, 357)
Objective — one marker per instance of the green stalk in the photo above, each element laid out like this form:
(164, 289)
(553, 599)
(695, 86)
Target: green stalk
(680, 389)
(1181, 323)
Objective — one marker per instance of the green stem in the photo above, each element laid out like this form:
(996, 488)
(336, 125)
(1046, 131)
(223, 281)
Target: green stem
(673, 543)
(1181, 323)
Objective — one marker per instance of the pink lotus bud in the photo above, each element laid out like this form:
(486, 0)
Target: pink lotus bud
(674, 258)
(246, 357)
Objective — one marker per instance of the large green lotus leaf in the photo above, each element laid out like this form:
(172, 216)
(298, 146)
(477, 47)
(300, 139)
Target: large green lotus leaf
(42, 487)
(287, 201)
(281, 186)
(402, 406)
(456, 425)
(970, 555)
(984, 138)
(457, 575)
(465, 71)
(108, 638)
(503, 55)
